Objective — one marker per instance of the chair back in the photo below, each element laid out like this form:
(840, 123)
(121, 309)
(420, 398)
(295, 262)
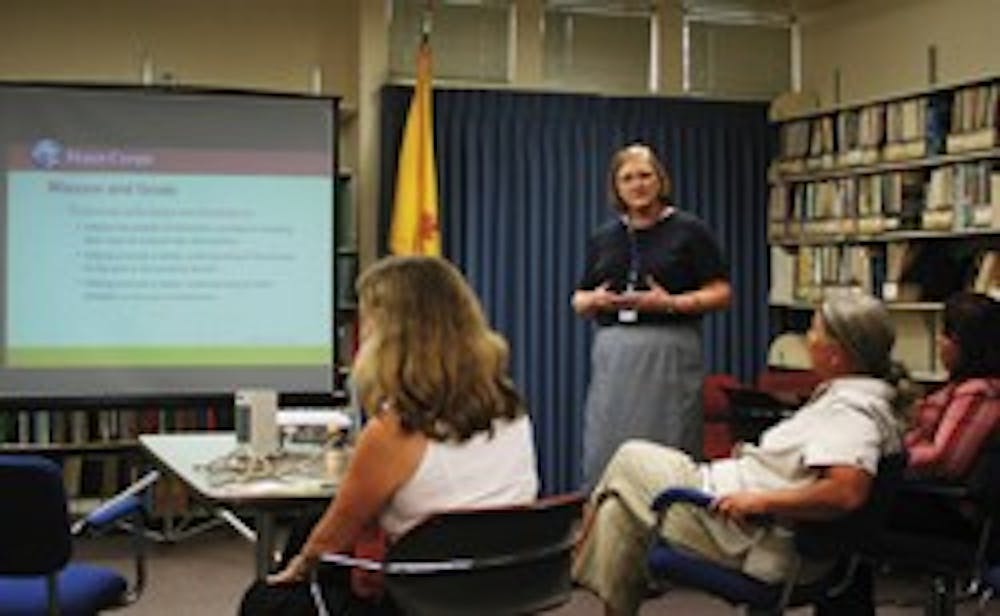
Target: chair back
(34, 522)
(505, 560)
(854, 532)
(984, 480)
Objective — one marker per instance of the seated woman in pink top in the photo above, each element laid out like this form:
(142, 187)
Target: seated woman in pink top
(952, 425)
(950, 429)
(446, 429)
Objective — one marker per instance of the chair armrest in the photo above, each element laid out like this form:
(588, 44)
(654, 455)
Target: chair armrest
(110, 512)
(698, 498)
(691, 496)
(943, 489)
(346, 560)
(410, 567)
(122, 504)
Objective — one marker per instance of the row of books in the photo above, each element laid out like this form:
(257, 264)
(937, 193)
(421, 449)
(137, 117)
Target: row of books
(87, 443)
(895, 271)
(956, 197)
(106, 426)
(812, 271)
(963, 196)
(974, 118)
(959, 120)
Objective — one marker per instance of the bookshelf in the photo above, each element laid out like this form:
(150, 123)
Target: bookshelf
(898, 197)
(97, 446)
(346, 271)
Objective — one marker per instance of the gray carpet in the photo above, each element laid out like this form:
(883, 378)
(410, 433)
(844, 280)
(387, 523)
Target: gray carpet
(207, 574)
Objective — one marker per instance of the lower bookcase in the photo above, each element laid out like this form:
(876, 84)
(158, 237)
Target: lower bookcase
(98, 449)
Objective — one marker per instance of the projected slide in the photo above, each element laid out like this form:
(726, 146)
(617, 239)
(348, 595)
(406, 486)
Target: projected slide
(167, 257)
(165, 242)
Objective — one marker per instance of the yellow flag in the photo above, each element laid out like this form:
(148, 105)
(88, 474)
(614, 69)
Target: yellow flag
(414, 229)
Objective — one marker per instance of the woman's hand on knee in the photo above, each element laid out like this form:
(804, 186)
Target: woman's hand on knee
(297, 570)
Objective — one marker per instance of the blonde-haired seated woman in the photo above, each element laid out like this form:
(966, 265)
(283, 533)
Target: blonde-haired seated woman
(447, 429)
(815, 465)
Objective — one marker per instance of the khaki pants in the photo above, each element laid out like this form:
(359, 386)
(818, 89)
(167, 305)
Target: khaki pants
(612, 557)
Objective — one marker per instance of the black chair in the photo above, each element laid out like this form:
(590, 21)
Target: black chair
(36, 576)
(841, 540)
(956, 556)
(493, 561)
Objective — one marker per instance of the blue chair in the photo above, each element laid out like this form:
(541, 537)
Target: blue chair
(36, 576)
(841, 540)
(489, 562)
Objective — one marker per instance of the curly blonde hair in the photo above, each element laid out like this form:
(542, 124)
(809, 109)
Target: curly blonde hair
(430, 353)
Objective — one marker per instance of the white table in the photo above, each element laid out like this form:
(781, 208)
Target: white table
(187, 456)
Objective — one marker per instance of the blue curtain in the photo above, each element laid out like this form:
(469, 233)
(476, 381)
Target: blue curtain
(522, 180)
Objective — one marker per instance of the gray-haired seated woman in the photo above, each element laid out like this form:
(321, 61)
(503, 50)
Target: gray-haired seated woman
(815, 465)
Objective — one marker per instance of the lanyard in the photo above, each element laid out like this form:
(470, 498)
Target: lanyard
(634, 261)
(632, 278)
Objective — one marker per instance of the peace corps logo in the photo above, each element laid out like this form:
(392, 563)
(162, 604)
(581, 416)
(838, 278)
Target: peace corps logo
(47, 153)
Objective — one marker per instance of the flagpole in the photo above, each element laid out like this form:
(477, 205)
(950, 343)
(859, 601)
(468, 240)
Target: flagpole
(414, 228)
(425, 22)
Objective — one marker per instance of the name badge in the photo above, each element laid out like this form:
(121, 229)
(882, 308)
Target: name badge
(628, 315)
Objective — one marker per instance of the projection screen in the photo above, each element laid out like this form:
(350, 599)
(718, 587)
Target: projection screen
(161, 242)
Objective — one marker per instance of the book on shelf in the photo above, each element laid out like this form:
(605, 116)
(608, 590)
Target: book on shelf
(42, 427)
(347, 273)
(110, 475)
(347, 237)
(24, 427)
(777, 212)
(72, 470)
(941, 188)
(793, 144)
(860, 133)
(904, 200)
(782, 289)
(870, 204)
(974, 118)
(905, 129)
(987, 278)
(938, 122)
(827, 269)
(8, 428)
(959, 196)
(822, 144)
(986, 215)
(899, 286)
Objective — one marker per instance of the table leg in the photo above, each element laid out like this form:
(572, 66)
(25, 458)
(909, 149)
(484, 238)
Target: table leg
(264, 549)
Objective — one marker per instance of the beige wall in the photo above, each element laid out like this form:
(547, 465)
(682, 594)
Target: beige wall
(272, 45)
(880, 46)
(266, 44)
(259, 44)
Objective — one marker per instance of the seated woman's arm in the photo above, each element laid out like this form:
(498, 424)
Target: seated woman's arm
(968, 423)
(384, 458)
(839, 490)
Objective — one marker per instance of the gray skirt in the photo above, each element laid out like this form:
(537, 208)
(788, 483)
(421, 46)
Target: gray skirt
(645, 383)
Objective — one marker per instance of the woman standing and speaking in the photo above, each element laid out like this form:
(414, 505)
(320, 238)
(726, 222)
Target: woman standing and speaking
(650, 276)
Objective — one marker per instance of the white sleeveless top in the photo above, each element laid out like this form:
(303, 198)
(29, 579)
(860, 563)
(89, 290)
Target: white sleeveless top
(480, 472)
